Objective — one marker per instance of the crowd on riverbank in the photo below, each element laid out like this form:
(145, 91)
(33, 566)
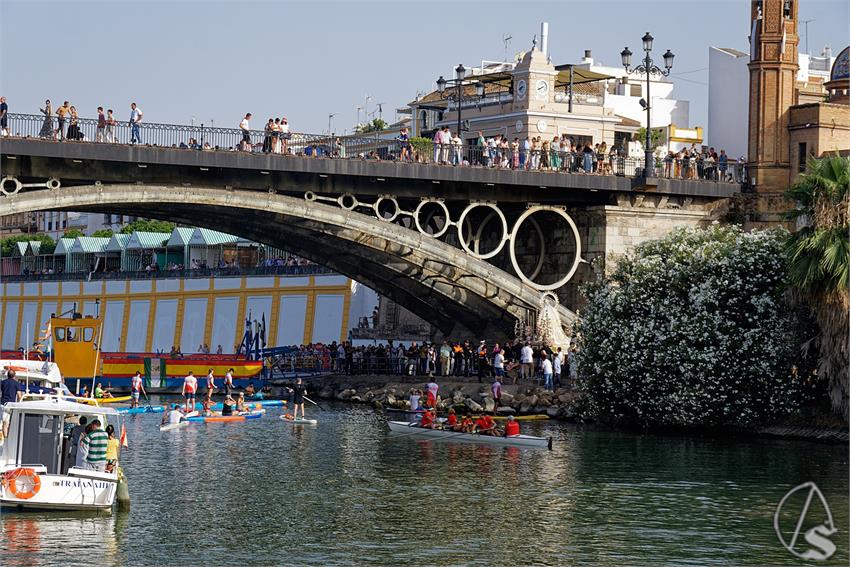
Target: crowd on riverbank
(512, 361)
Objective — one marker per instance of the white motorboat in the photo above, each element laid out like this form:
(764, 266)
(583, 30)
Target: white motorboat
(35, 464)
(39, 379)
(413, 429)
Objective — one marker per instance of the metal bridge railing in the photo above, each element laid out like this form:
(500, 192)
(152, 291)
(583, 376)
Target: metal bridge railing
(372, 147)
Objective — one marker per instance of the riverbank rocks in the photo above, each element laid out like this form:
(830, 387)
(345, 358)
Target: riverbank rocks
(473, 406)
(505, 410)
(326, 393)
(489, 404)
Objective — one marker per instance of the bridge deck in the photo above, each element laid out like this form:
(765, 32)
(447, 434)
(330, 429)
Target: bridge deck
(86, 162)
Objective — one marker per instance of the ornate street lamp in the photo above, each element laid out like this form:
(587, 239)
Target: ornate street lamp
(458, 81)
(649, 68)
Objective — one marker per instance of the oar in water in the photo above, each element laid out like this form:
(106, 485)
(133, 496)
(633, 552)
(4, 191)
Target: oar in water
(314, 403)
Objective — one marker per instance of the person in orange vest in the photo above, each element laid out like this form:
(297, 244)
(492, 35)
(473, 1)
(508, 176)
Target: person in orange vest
(451, 420)
(511, 427)
(427, 419)
(466, 424)
(485, 425)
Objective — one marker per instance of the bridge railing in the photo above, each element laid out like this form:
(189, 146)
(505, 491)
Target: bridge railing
(313, 269)
(203, 137)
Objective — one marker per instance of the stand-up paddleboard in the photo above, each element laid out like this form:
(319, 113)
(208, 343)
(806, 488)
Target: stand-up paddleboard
(217, 418)
(299, 421)
(171, 426)
(250, 405)
(140, 409)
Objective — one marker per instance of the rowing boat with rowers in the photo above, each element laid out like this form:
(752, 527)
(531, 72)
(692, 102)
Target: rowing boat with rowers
(415, 430)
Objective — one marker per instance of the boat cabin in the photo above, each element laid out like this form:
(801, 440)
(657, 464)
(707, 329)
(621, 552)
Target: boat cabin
(75, 342)
(37, 462)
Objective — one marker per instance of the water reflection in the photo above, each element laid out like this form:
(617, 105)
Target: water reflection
(343, 492)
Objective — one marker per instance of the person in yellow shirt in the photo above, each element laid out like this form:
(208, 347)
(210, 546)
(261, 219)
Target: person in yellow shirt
(112, 448)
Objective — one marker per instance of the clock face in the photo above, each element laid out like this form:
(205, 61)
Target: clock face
(542, 89)
(541, 126)
(521, 88)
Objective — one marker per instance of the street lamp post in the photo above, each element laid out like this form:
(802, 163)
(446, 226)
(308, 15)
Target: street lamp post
(649, 68)
(460, 77)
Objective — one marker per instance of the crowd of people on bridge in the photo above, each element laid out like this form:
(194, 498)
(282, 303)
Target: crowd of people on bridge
(516, 360)
(564, 153)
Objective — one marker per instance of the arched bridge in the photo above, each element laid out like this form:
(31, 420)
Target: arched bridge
(468, 249)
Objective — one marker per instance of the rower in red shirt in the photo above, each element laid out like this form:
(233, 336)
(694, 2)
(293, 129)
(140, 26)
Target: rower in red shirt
(466, 424)
(485, 425)
(511, 427)
(427, 419)
(451, 420)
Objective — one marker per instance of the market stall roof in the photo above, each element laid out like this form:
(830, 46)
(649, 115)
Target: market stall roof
(147, 240)
(207, 237)
(89, 245)
(63, 246)
(34, 247)
(19, 250)
(180, 236)
(117, 243)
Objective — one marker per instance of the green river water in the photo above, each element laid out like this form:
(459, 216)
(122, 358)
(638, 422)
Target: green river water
(344, 492)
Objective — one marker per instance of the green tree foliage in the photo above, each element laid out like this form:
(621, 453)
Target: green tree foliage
(657, 135)
(103, 233)
(691, 329)
(376, 125)
(7, 245)
(73, 233)
(148, 226)
(819, 264)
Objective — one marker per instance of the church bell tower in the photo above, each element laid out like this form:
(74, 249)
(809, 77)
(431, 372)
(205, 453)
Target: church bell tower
(773, 77)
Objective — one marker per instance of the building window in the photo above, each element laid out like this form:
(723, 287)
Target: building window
(802, 155)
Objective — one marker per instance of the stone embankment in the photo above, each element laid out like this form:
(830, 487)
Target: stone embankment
(394, 391)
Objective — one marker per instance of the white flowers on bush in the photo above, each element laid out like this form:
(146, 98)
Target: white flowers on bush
(691, 329)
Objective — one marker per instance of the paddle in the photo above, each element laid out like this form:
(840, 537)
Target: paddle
(314, 403)
(149, 402)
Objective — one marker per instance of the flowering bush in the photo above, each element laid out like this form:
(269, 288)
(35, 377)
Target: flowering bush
(691, 329)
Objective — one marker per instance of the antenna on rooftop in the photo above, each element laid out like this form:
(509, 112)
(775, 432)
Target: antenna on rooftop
(506, 39)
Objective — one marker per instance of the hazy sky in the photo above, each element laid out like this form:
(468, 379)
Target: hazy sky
(214, 59)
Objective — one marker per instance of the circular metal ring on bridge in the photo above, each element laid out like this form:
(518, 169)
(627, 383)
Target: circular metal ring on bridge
(54, 183)
(347, 201)
(476, 239)
(309, 196)
(386, 200)
(423, 203)
(512, 248)
(16, 186)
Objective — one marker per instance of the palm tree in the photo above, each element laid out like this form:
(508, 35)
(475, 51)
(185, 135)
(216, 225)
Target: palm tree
(819, 256)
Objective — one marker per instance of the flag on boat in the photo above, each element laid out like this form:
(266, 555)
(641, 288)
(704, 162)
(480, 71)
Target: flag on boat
(124, 436)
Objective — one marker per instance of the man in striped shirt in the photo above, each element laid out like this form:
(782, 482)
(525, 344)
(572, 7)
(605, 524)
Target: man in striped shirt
(96, 441)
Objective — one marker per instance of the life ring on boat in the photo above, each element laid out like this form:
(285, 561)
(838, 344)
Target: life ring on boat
(11, 479)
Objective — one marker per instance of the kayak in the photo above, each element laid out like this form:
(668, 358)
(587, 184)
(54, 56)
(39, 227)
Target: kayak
(299, 421)
(170, 426)
(413, 430)
(252, 415)
(140, 409)
(216, 418)
(99, 401)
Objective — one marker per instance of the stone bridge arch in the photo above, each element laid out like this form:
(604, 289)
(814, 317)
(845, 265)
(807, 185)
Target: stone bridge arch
(457, 292)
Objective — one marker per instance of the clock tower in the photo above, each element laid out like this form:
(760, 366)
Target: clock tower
(534, 82)
(773, 76)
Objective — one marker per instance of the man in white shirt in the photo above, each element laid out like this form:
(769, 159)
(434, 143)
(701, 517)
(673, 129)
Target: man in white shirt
(557, 361)
(135, 118)
(546, 366)
(245, 126)
(526, 359)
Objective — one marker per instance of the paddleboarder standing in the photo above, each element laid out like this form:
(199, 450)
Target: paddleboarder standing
(298, 393)
(136, 387)
(190, 386)
(228, 382)
(210, 384)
